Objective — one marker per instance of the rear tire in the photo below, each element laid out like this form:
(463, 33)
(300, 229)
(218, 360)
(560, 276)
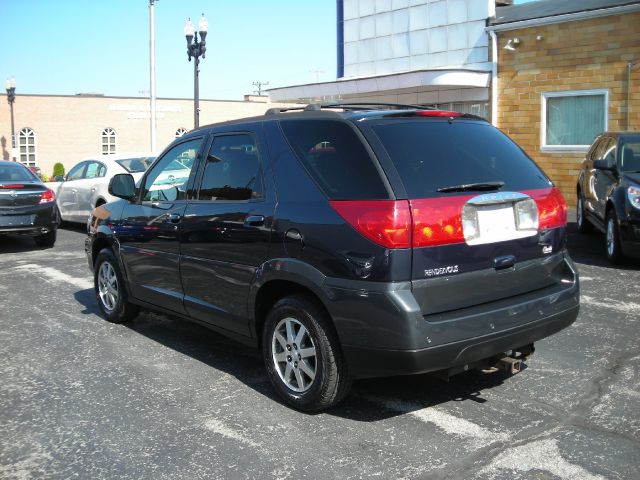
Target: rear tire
(584, 226)
(612, 235)
(110, 290)
(47, 240)
(302, 355)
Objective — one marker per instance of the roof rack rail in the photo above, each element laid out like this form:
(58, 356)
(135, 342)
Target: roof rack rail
(373, 106)
(316, 107)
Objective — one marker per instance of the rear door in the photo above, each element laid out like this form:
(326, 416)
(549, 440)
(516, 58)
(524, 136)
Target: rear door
(149, 230)
(226, 230)
(486, 220)
(604, 179)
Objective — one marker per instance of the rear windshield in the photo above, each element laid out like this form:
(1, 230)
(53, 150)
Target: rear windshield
(431, 155)
(15, 173)
(630, 154)
(135, 165)
(335, 158)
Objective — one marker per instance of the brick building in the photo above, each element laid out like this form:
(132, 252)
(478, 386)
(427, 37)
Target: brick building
(566, 72)
(66, 129)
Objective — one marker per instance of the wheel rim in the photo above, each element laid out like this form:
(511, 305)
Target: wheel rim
(611, 240)
(108, 286)
(579, 212)
(294, 355)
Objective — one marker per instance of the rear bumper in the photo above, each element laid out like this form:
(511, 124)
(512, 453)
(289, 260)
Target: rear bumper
(365, 362)
(33, 220)
(384, 331)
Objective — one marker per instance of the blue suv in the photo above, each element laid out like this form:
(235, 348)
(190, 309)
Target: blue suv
(345, 241)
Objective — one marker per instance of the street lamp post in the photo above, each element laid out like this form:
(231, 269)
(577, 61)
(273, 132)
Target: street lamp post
(196, 50)
(10, 85)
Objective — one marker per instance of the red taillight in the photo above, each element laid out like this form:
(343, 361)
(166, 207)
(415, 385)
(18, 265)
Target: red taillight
(552, 209)
(385, 222)
(12, 186)
(438, 113)
(437, 221)
(47, 196)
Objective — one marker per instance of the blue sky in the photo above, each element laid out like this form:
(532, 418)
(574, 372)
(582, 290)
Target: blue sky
(71, 46)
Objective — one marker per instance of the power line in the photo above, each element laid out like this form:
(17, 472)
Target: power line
(259, 85)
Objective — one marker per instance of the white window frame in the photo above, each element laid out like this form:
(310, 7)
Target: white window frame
(31, 155)
(568, 93)
(107, 134)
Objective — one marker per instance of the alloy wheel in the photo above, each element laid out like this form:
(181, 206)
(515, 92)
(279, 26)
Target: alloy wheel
(294, 354)
(108, 286)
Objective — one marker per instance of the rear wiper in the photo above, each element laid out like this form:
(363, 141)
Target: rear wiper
(472, 187)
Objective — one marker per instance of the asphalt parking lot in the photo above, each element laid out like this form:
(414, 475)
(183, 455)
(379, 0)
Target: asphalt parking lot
(163, 398)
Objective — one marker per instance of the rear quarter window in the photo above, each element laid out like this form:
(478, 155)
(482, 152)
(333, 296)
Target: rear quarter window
(432, 154)
(335, 158)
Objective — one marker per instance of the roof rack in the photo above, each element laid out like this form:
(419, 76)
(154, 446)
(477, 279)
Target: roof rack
(315, 107)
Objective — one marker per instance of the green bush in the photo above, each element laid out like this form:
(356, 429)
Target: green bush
(58, 169)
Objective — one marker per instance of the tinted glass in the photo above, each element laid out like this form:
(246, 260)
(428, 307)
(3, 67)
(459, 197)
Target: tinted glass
(135, 165)
(335, 158)
(76, 172)
(232, 171)
(630, 154)
(435, 154)
(15, 173)
(93, 170)
(167, 182)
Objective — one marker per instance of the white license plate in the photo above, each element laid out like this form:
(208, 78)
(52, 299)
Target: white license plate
(496, 223)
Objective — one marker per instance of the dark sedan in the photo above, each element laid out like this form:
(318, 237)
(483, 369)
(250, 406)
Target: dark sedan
(27, 207)
(609, 193)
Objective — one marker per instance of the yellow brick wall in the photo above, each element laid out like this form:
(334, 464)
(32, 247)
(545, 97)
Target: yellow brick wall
(579, 55)
(69, 128)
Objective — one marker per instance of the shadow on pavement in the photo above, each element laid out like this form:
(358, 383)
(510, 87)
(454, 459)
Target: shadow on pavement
(370, 400)
(589, 249)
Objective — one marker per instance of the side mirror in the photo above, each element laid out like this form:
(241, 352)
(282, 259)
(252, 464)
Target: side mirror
(603, 165)
(122, 185)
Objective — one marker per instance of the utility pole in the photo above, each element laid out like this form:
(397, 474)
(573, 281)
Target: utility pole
(259, 85)
(317, 74)
(152, 74)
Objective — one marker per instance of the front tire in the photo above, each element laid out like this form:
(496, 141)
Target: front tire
(47, 240)
(614, 250)
(302, 355)
(110, 291)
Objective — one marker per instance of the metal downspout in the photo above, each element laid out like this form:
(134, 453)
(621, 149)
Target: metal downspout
(494, 78)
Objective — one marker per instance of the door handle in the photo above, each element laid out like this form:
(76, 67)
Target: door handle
(173, 217)
(254, 220)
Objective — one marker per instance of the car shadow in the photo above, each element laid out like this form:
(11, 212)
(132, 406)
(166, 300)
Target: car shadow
(18, 244)
(370, 400)
(589, 249)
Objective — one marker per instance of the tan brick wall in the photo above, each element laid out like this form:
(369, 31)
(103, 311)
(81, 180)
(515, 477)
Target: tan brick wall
(69, 128)
(579, 55)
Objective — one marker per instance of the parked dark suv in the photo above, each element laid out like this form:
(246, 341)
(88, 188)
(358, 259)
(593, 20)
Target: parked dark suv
(608, 193)
(347, 242)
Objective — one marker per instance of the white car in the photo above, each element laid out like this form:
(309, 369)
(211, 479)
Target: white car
(86, 185)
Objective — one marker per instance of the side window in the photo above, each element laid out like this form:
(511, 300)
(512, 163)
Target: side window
(610, 152)
(336, 159)
(76, 172)
(168, 179)
(93, 170)
(596, 151)
(232, 171)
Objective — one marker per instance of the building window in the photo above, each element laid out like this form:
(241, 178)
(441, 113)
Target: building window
(27, 146)
(571, 120)
(108, 141)
(181, 131)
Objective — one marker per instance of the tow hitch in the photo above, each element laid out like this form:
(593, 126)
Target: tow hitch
(511, 363)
